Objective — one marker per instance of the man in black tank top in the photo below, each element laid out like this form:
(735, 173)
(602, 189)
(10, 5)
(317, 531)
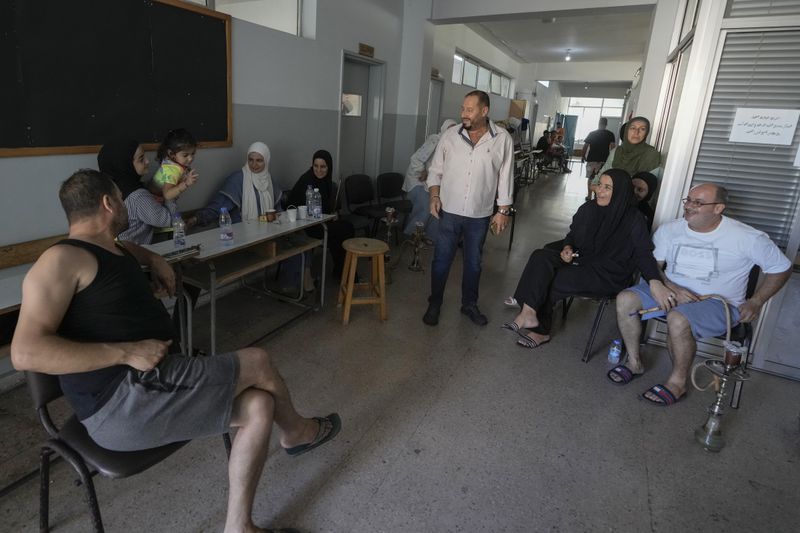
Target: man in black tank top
(89, 316)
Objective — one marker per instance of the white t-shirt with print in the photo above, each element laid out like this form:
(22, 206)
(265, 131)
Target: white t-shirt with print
(717, 262)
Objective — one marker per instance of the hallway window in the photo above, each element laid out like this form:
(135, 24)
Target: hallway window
(458, 68)
(589, 111)
(469, 72)
(296, 17)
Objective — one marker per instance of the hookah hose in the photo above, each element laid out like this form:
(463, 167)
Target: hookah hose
(714, 380)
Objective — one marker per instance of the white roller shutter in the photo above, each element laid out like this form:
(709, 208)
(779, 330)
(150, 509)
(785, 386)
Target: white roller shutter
(758, 70)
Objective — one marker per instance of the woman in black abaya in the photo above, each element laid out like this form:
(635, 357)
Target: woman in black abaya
(608, 240)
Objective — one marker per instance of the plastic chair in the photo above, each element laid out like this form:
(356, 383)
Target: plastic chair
(73, 443)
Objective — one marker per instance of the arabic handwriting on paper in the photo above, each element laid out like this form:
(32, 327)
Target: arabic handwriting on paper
(764, 126)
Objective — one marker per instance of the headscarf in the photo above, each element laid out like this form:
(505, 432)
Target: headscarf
(116, 160)
(447, 124)
(639, 157)
(324, 184)
(644, 204)
(612, 220)
(260, 183)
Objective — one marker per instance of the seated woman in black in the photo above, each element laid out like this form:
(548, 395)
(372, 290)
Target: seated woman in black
(608, 240)
(644, 187)
(319, 176)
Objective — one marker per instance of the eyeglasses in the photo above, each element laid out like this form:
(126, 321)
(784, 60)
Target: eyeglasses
(697, 203)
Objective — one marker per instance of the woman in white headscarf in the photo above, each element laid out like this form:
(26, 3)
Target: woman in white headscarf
(246, 193)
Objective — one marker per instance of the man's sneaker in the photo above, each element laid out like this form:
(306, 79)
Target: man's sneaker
(474, 314)
(431, 316)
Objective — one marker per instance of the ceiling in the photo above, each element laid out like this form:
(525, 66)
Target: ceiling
(611, 34)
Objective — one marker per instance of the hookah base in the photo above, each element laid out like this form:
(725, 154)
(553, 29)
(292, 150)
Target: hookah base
(710, 440)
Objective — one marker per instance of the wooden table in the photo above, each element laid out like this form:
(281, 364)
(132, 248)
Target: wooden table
(255, 246)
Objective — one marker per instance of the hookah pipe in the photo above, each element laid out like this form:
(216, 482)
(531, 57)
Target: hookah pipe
(726, 369)
(418, 242)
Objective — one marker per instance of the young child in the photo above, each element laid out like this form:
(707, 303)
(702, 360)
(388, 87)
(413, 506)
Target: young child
(175, 174)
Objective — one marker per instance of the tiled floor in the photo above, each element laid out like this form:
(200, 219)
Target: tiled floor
(455, 428)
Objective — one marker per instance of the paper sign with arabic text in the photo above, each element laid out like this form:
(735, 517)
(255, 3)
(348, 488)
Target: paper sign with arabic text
(764, 126)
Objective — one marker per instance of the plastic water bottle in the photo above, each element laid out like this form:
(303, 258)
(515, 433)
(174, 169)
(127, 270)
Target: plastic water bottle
(615, 351)
(225, 225)
(309, 194)
(178, 231)
(316, 204)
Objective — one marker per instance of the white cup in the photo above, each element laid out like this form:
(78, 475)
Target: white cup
(302, 212)
(292, 214)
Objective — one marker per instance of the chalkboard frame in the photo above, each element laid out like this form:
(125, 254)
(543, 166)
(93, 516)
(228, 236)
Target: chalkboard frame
(84, 149)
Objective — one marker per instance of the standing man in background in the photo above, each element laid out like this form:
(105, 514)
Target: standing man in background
(414, 184)
(471, 171)
(595, 151)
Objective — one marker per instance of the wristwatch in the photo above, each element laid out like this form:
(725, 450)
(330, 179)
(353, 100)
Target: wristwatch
(506, 212)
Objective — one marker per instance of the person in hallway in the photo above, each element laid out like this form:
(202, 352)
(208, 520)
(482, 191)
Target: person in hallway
(596, 148)
(544, 141)
(320, 176)
(543, 145)
(88, 316)
(471, 171)
(125, 162)
(559, 130)
(644, 187)
(607, 242)
(634, 155)
(246, 193)
(414, 185)
(705, 253)
(559, 152)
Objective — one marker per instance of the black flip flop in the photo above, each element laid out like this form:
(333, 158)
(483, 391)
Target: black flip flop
(328, 428)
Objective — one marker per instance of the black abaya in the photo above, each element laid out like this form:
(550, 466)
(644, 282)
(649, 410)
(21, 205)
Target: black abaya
(612, 241)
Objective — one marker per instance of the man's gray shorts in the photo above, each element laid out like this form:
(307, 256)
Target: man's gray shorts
(181, 399)
(706, 317)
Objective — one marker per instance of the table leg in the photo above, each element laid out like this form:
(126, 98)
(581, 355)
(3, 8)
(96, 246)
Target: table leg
(213, 290)
(324, 262)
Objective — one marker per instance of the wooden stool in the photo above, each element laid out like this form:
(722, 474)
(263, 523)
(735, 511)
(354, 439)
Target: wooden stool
(376, 286)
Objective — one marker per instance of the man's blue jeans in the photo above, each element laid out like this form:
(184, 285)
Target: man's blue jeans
(451, 228)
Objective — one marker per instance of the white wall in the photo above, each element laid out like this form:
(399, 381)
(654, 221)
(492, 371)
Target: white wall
(644, 100)
(449, 38)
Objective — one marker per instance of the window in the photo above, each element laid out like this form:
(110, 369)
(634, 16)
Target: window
(589, 111)
(762, 8)
(467, 71)
(470, 73)
(291, 16)
(484, 76)
(545, 83)
(497, 84)
(458, 68)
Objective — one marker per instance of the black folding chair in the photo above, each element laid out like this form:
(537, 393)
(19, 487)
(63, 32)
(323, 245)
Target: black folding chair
(391, 194)
(73, 443)
(359, 197)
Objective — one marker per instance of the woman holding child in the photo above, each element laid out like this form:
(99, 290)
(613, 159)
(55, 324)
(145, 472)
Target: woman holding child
(608, 240)
(125, 162)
